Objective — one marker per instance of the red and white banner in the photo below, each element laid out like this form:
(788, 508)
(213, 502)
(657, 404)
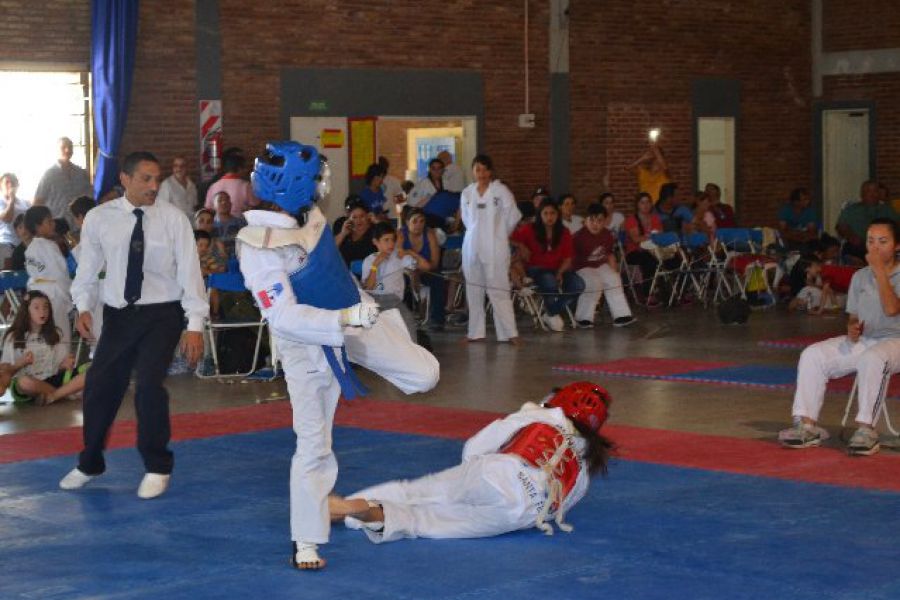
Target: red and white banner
(210, 138)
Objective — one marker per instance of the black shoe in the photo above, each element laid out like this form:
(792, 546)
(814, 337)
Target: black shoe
(623, 321)
(434, 326)
(585, 324)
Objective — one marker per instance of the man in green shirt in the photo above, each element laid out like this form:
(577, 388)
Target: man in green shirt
(855, 218)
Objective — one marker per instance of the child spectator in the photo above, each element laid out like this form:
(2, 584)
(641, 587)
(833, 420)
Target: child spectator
(382, 271)
(808, 292)
(205, 220)
(616, 219)
(225, 225)
(638, 228)
(17, 261)
(703, 221)
(421, 243)
(79, 208)
(210, 262)
(595, 263)
(38, 355)
(546, 247)
(47, 269)
(10, 207)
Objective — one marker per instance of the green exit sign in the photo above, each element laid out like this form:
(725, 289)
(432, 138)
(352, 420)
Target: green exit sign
(318, 105)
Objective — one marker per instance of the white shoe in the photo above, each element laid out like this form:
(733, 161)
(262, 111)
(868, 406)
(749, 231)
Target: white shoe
(153, 485)
(75, 479)
(555, 322)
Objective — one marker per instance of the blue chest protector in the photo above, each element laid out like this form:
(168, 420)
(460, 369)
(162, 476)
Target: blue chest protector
(324, 282)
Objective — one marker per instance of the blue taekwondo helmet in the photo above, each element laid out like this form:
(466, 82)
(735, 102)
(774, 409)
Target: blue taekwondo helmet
(290, 175)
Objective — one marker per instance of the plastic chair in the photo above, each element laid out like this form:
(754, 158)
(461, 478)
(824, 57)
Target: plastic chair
(11, 284)
(232, 282)
(880, 403)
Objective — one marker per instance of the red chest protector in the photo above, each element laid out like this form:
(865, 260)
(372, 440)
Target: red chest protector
(539, 444)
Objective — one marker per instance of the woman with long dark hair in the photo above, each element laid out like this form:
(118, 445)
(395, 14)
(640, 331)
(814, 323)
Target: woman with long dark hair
(546, 246)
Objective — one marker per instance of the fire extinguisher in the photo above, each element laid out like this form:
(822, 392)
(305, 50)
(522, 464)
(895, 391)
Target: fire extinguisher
(212, 156)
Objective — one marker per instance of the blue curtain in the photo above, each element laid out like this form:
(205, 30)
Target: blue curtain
(113, 39)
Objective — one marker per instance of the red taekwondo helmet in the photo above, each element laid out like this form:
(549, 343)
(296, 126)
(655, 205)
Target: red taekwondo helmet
(584, 402)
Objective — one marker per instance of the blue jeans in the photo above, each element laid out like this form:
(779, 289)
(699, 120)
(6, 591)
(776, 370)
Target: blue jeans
(545, 280)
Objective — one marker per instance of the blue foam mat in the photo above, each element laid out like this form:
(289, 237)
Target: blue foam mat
(648, 531)
(746, 374)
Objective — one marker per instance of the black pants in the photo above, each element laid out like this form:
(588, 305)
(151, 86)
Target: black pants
(141, 338)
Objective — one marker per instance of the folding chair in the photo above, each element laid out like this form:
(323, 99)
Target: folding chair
(696, 269)
(628, 273)
(880, 403)
(743, 259)
(665, 246)
(12, 283)
(233, 282)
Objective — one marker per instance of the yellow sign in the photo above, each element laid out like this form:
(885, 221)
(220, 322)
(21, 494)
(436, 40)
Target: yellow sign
(362, 145)
(332, 138)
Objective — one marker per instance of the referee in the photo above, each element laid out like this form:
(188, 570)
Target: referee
(152, 285)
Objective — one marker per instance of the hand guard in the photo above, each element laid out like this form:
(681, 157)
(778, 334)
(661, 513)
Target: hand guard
(362, 315)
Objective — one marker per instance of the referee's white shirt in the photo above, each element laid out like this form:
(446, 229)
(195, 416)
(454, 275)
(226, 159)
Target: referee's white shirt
(171, 266)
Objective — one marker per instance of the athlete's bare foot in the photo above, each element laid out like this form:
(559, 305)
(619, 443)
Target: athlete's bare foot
(468, 340)
(306, 557)
(516, 341)
(358, 508)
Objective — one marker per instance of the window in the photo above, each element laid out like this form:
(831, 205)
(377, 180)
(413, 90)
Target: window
(36, 109)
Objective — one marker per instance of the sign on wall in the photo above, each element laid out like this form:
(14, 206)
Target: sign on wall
(210, 138)
(362, 145)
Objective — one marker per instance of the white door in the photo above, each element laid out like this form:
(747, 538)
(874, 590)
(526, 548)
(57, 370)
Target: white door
(329, 136)
(845, 160)
(715, 150)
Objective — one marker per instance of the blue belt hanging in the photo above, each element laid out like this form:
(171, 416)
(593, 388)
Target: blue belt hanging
(351, 386)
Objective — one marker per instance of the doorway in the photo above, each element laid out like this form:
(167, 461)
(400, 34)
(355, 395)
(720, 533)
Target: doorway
(715, 155)
(846, 159)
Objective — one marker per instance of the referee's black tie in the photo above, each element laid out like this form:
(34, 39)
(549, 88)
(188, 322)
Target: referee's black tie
(134, 276)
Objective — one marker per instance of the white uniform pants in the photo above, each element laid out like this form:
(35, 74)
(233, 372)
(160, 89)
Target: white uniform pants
(385, 349)
(388, 350)
(597, 281)
(868, 358)
(478, 283)
(482, 497)
(314, 393)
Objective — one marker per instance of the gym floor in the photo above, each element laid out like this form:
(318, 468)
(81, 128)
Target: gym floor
(702, 503)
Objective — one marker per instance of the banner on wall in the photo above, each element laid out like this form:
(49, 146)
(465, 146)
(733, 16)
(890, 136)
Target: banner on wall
(362, 145)
(332, 138)
(210, 138)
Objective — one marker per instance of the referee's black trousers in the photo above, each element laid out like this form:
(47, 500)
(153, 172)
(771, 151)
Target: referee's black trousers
(139, 338)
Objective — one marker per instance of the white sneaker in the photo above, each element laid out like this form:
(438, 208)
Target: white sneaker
(554, 322)
(153, 485)
(75, 479)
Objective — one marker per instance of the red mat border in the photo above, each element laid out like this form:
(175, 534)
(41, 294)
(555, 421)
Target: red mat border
(665, 447)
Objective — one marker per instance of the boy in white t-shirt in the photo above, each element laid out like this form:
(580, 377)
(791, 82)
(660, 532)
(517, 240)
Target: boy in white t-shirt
(382, 271)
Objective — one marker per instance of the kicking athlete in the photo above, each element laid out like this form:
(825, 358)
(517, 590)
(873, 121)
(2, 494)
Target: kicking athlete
(320, 321)
(516, 473)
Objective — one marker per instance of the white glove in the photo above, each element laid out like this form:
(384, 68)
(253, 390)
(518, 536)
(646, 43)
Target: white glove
(362, 315)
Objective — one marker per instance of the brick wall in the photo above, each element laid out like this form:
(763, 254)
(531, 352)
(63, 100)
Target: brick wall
(632, 70)
(260, 39)
(884, 90)
(46, 31)
(860, 24)
(163, 114)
